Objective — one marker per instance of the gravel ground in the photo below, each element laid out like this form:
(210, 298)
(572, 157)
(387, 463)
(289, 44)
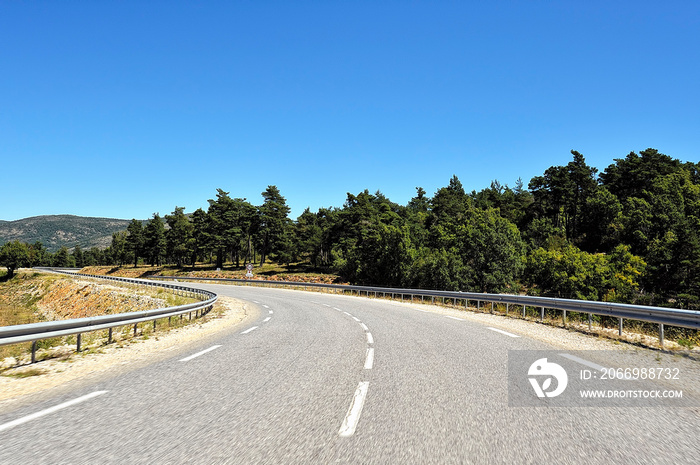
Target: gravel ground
(69, 366)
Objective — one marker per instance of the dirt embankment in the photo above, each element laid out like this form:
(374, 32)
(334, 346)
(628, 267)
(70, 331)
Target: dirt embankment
(31, 298)
(21, 380)
(77, 299)
(38, 297)
(146, 271)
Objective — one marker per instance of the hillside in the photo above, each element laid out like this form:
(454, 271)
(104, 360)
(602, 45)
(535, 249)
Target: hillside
(56, 231)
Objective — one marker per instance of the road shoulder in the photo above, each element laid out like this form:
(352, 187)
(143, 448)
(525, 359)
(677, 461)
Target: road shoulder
(114, 359)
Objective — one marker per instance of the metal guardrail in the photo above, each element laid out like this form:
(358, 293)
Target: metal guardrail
(658, 315)
(36, 331)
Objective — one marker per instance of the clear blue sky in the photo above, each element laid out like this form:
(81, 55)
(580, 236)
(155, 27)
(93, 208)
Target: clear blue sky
(123, 109)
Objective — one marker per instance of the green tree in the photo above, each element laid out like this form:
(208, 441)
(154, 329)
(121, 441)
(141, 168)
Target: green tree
(94, 257)
(135, 240)
(562, 192)
(571, 273)
(567, 273)
(373, 243)
(178, 236)
(14, 255)
(625, 272)
(449, 209)
(601, 221)
(38, 255)
(438, 269)
(200, 240)
(274, 222)
(635, 174)
(119, 248)
(309, 237)
(230, 225)
(492, 250)
(154, 240)
(78, 256)
(63, 258)
(512, 204)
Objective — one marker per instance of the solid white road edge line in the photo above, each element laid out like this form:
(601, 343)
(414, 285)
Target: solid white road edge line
(453, 317)
(249, 330)
(502, 332)
(353, 416)
(370, 339)
(36, 415)
(267, 319)
(364, 326)
(595, 366)
(369, 360)
(187, 359)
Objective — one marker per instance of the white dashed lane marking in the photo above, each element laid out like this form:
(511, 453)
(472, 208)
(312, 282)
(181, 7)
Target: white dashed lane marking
(369, 360)
(582, 361)
(503, 332)
(353, 416)
(50, 410)
(187, 359)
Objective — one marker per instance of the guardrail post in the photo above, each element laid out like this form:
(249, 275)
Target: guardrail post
(79, 338)
(542, 315)
(109, 336)
(33, 351)
(563, 317)
(590, 321)
(136, 325)
(478, 305)
(620, 328)
(154, 325)
(491, 307)
(523, 311)
(506, 308)
(661, 335)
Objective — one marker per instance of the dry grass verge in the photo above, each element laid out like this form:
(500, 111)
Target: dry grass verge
(64, 365)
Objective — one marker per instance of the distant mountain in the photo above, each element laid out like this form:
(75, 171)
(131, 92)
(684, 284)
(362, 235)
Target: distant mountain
(56, 231)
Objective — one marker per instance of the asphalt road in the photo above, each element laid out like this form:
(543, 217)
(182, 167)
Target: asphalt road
(319, 378)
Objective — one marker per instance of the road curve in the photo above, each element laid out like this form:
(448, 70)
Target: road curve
(319, 378)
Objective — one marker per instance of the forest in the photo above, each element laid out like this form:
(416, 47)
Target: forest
(627, 234)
